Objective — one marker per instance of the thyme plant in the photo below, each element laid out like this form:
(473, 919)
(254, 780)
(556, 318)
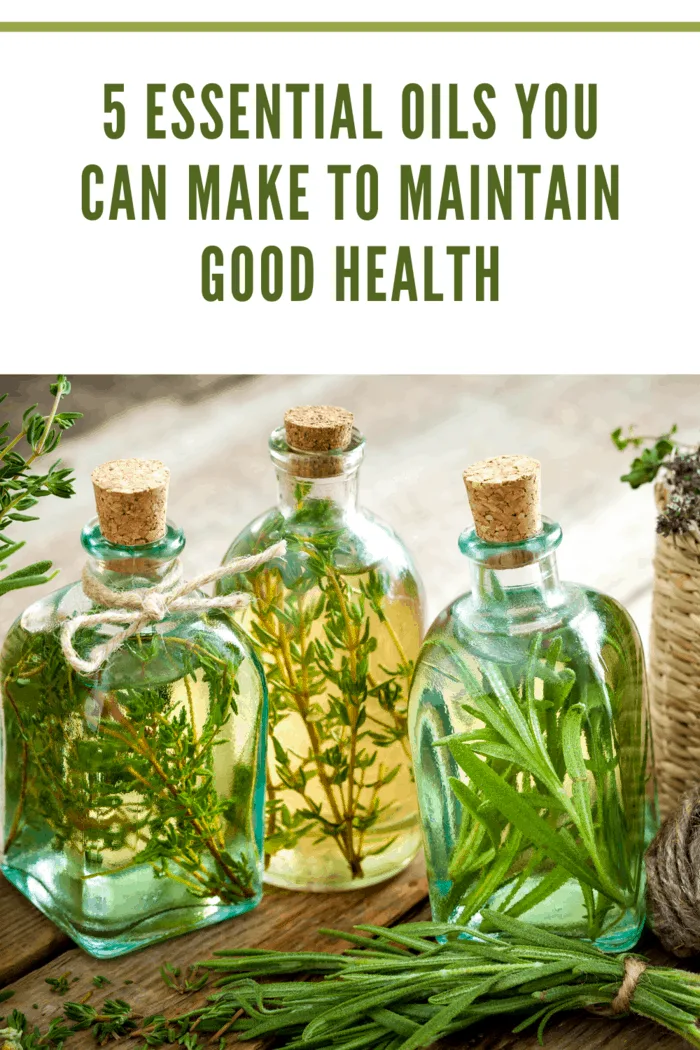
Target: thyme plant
(21, 489)
(336, 667)
(140, 783)
(133, 788)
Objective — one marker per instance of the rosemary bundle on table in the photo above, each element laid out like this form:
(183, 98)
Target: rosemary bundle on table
(409, 986)
(397, 989)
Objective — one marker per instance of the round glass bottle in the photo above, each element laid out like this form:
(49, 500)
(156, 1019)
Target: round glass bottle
(530, 734)
(338, 627)
(134, 796)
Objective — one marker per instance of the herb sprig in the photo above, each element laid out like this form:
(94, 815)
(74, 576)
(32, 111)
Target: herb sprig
(404, 989)
(655, 451)
(318, 628)
(21, 490)
(143, 782)
(549, 786)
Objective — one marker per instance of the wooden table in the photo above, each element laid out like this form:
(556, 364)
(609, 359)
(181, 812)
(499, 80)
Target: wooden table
(421, 433)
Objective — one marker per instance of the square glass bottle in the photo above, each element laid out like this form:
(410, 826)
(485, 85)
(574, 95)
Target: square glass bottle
(530, 733)
(134, 790)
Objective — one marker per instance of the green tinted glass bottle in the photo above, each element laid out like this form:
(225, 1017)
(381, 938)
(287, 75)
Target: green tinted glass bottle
(529, 730)
(338, 627)
(134, 792)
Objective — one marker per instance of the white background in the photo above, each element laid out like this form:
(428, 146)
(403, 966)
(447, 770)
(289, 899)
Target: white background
(125, 296)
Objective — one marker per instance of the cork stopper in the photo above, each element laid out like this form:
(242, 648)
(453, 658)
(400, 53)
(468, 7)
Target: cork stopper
(317, 429)
(504, 496)
(132, 499)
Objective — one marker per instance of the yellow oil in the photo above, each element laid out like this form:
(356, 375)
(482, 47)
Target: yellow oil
(316, 861)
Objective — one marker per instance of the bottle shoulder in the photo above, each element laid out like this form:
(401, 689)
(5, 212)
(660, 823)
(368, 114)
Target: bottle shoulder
(581, 609)
(357, 540)
(180, 643)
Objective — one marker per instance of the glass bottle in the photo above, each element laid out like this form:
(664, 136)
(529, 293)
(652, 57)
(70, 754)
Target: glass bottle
(134, 794)
(338, 627)
(530, 734)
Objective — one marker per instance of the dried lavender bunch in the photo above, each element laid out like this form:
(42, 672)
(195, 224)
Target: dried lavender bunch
(681, 471)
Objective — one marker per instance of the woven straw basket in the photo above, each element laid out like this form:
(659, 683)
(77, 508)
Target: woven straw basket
(675, 662)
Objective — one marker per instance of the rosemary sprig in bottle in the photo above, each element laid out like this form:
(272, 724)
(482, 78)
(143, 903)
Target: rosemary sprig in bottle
(544, 791)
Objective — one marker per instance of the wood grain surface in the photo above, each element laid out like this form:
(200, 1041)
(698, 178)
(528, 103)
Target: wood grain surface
(421, 433)
(283, 920)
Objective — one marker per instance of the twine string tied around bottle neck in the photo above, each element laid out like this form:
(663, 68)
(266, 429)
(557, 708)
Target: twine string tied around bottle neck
(139, 608)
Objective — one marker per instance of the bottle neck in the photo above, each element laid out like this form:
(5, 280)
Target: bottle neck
(307, 477)
(125, 568)
(517, 583)
(339, 492)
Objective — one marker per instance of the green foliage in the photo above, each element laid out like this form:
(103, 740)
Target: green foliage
(413, 985)
(193, 980)
(21, 490)
(655, 452)
(138, 778)
(545, 796)
(317, 629)
(114, 1018)
(60, 984)
(400, 988)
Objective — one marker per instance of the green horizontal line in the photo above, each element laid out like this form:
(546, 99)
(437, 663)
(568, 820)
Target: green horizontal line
(349, 27)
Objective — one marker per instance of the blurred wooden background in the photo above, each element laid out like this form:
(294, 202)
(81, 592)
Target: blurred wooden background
(421, 432)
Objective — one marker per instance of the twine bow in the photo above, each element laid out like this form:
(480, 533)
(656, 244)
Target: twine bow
(139, 608)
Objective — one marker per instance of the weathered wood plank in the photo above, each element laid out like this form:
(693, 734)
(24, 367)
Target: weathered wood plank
(581, 1032)
(28, 939)
(283, 920)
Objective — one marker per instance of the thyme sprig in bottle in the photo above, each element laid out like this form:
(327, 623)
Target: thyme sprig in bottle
(338, 628)
(134, 794)
(530, 733)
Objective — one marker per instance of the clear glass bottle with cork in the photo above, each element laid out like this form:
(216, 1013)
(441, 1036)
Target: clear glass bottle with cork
(135, 718)
(338, 625)
(530, 733)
